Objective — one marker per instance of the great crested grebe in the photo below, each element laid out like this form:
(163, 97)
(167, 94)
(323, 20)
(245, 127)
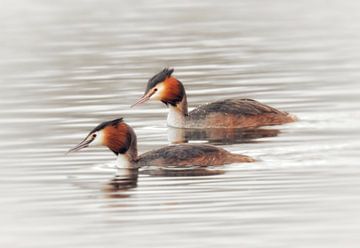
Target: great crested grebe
(121, 139)
(229, 113)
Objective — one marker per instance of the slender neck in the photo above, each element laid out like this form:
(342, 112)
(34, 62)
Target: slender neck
(129, 157)
(178, 113)
(123, 161)
(132, 152)
(182, 106)
(126, 167)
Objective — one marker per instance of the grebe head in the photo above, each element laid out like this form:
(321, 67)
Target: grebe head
(163, 87)
(116, 135)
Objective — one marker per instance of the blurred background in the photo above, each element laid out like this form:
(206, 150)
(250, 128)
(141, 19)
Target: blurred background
(68, 65)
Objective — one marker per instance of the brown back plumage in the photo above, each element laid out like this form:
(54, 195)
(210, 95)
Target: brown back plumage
(237, 113)
(243, 107)
(190, 155)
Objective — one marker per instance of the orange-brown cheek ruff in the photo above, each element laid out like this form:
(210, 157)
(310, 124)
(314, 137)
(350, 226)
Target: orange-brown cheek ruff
(173, 91)
(117, 138)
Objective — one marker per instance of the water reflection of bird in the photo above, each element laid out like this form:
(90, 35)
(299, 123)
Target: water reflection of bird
(121, 139)
(124, 180)
(219, 136)
(229, 113)
(127, 178)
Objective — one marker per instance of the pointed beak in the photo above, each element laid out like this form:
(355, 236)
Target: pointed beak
(144, 98)
(85, 143)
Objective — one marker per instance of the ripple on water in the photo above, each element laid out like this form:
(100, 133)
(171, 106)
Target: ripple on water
(64, 70)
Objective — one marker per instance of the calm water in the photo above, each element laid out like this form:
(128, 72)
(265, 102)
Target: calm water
(68, 65)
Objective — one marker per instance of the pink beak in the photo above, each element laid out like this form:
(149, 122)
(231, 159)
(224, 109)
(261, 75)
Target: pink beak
(144, 98)
(141, 100)
(83, 144)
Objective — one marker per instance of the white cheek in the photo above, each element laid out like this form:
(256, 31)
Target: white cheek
(98, 141)
(157, 96)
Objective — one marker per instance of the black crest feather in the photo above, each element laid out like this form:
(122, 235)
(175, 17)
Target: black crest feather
(107, 123)
(158, 78)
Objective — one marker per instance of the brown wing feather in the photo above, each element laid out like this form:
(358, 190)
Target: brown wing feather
(186, 155)
(239, 113)
(235, 107)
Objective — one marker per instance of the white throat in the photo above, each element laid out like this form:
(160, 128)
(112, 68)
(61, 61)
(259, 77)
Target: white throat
(123, 162)
(175, 118)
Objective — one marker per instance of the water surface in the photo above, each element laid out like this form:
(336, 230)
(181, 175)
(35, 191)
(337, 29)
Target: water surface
(68, 65)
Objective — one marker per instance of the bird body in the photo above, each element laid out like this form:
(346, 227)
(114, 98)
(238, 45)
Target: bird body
(190, 155)
(242, 113)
